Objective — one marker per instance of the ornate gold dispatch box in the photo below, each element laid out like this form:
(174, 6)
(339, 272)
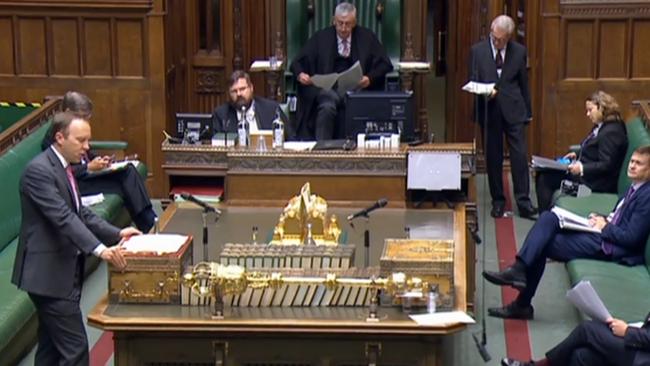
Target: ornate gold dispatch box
(431, 260)
(150, 277)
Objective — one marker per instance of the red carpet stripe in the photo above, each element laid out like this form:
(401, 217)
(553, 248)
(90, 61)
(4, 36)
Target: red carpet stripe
(102, 350)
(516, 331)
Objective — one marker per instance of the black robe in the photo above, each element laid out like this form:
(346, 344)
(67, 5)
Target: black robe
(318, 57)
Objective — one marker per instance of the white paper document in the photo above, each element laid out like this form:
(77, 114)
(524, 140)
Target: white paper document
(584, 297)
(444, 318)
(479, 88)
(299, 145)
(92, 199)
(414, 65)
(265, 65)
(158, 243)
(571, 221)
(347, 80)
(539, 162)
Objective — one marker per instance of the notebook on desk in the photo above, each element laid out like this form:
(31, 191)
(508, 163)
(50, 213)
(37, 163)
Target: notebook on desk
(342, 144)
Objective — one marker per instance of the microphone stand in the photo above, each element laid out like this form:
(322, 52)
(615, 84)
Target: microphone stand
(204, 217)
(366, 243)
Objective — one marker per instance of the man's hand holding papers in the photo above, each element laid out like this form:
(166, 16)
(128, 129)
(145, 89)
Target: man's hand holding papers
(571, 221)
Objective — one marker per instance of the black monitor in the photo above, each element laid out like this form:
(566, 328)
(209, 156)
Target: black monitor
(194, 127)
(380, 112)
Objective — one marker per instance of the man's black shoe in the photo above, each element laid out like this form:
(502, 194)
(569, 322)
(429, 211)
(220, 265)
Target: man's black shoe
(512, 311)
(508, 277)
(497, 210)
(510, 362)
(528, 211)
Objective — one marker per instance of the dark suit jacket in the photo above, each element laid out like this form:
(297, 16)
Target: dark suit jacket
(602, 156)
(513, 95)
(318, 57)
(225, 116)
(629, 236)
(53, 232)
(639, 340)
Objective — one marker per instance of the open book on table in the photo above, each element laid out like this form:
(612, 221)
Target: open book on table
(571, 221)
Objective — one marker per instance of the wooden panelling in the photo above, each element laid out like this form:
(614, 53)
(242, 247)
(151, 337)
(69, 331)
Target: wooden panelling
(640, 50)
(110, 50)
(65, 47)
(579, 49)
(32, 50)
(613, 57)
(130, 60)
(7, 46)
(97, 47)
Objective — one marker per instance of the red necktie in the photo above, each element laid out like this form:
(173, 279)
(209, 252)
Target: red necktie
(73, 184)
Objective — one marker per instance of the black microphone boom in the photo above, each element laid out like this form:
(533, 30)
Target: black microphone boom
(189, 197)
(379, 204)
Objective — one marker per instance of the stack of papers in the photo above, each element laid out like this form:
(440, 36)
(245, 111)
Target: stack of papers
(265, 65)
(92, 199)
(414, 65)
(157, 243)
(442, 319)
(571, 221)
(347, 80)
(479, 88)
(299, 145)
(584, 297)
(539, 162)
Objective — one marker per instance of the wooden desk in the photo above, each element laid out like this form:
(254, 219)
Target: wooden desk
(182, 335)
(268, 178)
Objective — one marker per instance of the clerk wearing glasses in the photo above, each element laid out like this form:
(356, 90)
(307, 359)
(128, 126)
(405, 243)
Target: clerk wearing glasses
(335, 49)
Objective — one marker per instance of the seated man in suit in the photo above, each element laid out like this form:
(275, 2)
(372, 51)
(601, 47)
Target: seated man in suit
(622, 239)
(127, 183)
(335, 49)
(593, 343)
(259, 112)
(601, 154)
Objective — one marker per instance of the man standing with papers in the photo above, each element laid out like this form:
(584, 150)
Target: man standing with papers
(622, 239)
(334, 50)
(502, 61)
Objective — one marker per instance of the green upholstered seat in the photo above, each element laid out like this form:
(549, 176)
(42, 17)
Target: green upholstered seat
(16, 308)
(11, 113)
(637, 136)
(624, 289)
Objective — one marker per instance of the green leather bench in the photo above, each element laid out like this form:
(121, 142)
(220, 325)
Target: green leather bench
(11, 113)
(303, 21)
(624, 289)
(17, 316)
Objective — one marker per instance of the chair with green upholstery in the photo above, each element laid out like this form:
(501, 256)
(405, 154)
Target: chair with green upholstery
(637, 136)
(306, 17)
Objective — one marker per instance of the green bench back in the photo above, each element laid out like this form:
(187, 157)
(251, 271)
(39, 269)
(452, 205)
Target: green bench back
(12, 165)
(301, 26)
(637, 136)
(11, 113)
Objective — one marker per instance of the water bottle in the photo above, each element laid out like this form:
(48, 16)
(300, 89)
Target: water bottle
(278, 131)
(243, 129)
(432, 299)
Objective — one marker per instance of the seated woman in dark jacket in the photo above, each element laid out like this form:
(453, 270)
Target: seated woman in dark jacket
(601, 154)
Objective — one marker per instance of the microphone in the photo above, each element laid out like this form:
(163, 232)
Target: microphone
(480, 345)
(188, 197)
(379, 204)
